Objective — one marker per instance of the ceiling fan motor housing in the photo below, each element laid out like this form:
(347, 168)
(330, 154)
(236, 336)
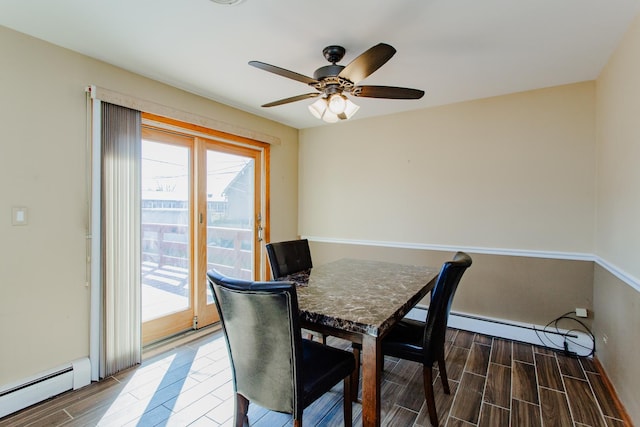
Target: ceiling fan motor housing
(327, 71)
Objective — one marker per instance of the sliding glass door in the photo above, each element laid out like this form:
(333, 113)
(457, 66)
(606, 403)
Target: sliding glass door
(200, 210)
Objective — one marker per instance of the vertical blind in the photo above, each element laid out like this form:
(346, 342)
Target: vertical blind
(120, 236)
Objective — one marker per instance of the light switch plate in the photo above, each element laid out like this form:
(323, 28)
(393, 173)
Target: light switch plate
(19, 216)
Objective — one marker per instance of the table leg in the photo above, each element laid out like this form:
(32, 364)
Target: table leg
(372, 360)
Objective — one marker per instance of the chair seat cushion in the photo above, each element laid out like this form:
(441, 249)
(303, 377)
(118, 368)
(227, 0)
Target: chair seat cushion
(323, 367)
(405, 340)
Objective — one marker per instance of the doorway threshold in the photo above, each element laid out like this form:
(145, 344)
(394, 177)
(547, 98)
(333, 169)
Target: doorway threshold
(177, 340)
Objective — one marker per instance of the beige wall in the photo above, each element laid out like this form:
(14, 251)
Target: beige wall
(617, 304)
(44, 303)
(512, 172)
(618, 107)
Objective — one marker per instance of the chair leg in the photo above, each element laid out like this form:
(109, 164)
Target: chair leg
(427, 374)
(355, 377)
(242, 407)
(443, 375)
(347, 407)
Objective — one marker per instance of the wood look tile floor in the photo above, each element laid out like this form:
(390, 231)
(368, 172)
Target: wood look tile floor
(493, 382)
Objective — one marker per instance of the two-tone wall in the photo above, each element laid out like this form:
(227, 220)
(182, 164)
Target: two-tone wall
(541, 187)
(617, 243)
(44, 300)
(510, 179)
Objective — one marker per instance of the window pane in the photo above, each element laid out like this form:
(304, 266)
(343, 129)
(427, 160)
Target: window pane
(165, 229)
(230, 211)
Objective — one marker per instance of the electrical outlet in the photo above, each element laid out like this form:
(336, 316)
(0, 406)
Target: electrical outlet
(605, 339)
(581, 312)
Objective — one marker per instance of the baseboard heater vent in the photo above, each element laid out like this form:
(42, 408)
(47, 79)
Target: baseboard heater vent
(578, 342)
(25, 393)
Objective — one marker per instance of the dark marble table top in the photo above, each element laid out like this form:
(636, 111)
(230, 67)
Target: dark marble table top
(364, 297)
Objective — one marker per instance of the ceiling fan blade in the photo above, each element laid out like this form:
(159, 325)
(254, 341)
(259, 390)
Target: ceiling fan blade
(282, 72)
(292, 99)
(368, 62)
(390, 92)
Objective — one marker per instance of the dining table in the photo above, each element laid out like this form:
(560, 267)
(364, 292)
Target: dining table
(360, 301)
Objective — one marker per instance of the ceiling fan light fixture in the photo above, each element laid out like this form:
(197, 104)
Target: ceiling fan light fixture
(333, 81)
(322, 109)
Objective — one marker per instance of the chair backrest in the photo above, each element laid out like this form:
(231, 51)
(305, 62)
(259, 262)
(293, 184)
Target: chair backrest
(440, 305)
(289, 257)
(262, 330)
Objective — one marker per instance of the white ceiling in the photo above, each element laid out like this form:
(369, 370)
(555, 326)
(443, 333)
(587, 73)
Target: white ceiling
(454, 50)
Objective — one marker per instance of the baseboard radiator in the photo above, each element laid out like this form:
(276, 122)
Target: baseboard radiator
(579, 343)
(18, 396)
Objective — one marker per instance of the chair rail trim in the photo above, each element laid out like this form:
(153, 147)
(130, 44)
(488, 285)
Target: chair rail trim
(618, 272)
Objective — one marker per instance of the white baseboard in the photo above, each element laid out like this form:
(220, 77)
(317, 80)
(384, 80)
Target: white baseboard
(579, 343)
(51, 383)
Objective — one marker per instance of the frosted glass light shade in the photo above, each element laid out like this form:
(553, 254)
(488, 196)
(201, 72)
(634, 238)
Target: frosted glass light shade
(350, 109)
(337, 103)
(318, 108)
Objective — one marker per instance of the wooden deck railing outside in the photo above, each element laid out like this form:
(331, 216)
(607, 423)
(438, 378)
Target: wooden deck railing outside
(228, 249)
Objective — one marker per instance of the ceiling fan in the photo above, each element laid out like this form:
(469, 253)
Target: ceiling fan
(333, 81)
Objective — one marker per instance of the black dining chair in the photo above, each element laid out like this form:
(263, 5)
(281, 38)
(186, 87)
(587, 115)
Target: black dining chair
(291, 260)
(272, 365)
(423, 342)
